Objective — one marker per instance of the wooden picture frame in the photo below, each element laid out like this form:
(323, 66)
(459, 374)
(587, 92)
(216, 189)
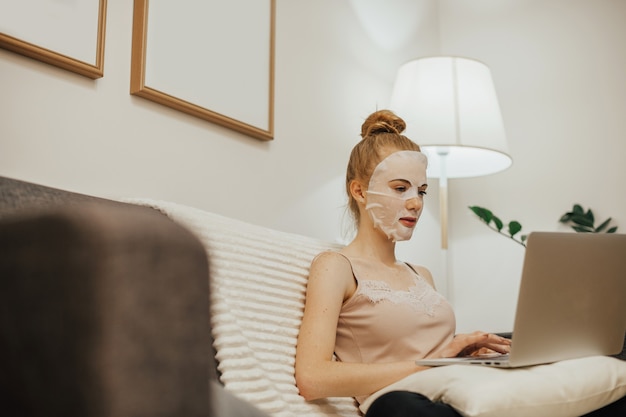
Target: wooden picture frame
(33, 30)
(212, 59)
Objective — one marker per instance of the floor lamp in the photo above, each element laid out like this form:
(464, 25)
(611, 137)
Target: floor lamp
(452, 111)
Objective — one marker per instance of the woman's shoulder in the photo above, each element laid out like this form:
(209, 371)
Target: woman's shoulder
(332, 271)
(329, 258)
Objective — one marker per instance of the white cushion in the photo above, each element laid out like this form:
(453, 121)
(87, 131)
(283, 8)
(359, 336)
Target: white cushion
(564, 389)
(258, 284)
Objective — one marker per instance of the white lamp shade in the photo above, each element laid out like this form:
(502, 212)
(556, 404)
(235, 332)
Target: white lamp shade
(450, 106)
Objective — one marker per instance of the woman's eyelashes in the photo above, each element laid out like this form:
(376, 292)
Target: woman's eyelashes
(400, 187)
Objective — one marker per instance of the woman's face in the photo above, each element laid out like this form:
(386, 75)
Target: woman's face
(395, 193)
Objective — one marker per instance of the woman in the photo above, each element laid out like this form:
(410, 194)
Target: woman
(375, 314)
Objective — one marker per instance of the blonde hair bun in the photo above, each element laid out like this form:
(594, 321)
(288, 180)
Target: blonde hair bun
(382, 121)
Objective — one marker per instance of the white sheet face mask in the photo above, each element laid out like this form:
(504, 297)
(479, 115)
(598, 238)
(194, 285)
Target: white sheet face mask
(395, 180)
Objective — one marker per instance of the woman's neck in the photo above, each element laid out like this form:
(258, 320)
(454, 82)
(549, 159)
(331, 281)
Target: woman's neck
(372, 244)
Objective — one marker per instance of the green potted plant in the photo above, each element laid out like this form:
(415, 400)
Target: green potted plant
(584, 221)
(581, 220)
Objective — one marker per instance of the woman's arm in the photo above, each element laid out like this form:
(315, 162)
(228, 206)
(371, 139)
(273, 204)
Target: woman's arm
(317, 375)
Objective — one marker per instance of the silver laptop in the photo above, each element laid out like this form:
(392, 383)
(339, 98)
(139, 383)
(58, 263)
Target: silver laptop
(571, 303)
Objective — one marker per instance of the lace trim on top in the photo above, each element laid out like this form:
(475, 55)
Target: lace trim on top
(421, 297)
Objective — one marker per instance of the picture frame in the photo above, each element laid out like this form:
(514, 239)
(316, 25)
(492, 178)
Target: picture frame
(32, 29)
(212, 59)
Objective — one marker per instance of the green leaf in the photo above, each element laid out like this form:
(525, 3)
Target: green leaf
(589, 215)
(498, 223)
(577, 209)
(484, 214)
(523, 238)
(603, 225)
(612, 229)
(566, 217)
(582, 229)
(582, 220)
(514, 227)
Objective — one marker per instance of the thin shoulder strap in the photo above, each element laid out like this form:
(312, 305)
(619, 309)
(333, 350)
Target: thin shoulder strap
(412, 269)
(351, 266)
(347, 259)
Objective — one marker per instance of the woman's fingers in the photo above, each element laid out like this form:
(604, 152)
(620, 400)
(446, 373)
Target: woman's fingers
(477, 341)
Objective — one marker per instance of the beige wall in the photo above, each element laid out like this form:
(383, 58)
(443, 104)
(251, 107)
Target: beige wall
(558, 68)
(92, 136)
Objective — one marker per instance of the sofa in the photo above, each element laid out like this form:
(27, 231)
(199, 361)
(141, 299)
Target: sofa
(104, 310)
(150, 308)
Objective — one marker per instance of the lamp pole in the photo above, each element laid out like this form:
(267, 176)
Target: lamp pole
(442, 152)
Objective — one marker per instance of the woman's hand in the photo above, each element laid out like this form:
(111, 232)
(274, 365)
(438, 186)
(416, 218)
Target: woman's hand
(474, 344)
